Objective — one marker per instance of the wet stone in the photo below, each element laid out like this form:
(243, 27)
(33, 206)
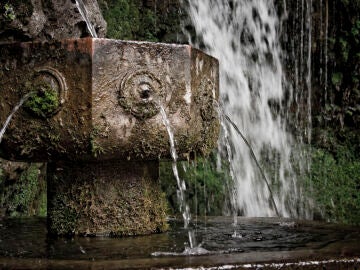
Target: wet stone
(99, 99)
(94, 116)
(109, 198)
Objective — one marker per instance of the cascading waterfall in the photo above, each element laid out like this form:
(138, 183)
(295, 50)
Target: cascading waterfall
(254, 91)
(300, 36)
(308, 74)
(299, 65)
(323, 34)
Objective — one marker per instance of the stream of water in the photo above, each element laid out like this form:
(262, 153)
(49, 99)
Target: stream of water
(181, 185)
(254, 92)
(14, 110)
(84, 13)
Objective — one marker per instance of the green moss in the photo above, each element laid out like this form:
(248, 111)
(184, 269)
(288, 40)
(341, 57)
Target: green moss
(335, 170)
(122, 18)
(2, 188)
(205, 186)
(355, 31)
(156, 207)
(15, 10)
(111, 201)
(42, 210)
(336, 78)
(24, 193)
(23, 189)
(345, 50)
(96, 149)
(136, 20)
(63, 218)
(1, 176)
(45, 102)
(145, 211)
(8, 12)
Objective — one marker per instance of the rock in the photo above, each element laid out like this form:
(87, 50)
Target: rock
(47, 20)
(117, 198)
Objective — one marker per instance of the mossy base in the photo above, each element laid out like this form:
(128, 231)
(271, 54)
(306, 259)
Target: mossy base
(105, 198)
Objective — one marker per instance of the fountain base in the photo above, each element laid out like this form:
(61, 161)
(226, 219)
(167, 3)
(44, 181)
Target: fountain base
(261, 243)
(105, 198)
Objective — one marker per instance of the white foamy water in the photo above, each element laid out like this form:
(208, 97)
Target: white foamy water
(245, 36)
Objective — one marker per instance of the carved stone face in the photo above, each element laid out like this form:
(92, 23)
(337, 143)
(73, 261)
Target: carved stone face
(101, 99)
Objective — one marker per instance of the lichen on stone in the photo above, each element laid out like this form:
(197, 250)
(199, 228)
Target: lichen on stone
(108, 198)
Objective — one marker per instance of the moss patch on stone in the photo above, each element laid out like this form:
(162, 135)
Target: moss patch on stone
(105, 198)
(63, 217)
(21, 187)
(44, 102)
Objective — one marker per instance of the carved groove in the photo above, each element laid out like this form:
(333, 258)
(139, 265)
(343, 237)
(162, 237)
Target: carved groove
(140, 93)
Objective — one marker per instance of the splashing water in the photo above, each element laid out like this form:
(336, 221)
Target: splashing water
(14, 110)
(84, 13)
(245, 37)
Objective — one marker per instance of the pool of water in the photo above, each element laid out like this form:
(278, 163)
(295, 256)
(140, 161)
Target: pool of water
(24, 243)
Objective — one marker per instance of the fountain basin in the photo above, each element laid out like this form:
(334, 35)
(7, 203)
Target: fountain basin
(261, 243)
(99, 99)
(94, 116)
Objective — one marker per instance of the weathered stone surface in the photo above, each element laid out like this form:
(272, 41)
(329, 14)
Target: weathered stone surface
(47, 20)
(105, 198)
(60, 135)
(38, 20)
(95, 102)
(108, 95)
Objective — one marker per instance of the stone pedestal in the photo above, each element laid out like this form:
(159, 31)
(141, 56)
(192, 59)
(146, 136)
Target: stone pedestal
(114, 198)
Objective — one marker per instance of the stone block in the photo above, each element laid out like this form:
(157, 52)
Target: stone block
(99, 99)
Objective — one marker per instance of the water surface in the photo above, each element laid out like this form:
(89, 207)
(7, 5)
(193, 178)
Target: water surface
(25, 242)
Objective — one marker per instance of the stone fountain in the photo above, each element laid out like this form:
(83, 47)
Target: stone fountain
(93, 116)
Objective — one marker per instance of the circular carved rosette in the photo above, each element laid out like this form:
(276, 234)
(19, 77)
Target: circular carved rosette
(49, 93)
(205, 99)
(56, 80)
(140, 94)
